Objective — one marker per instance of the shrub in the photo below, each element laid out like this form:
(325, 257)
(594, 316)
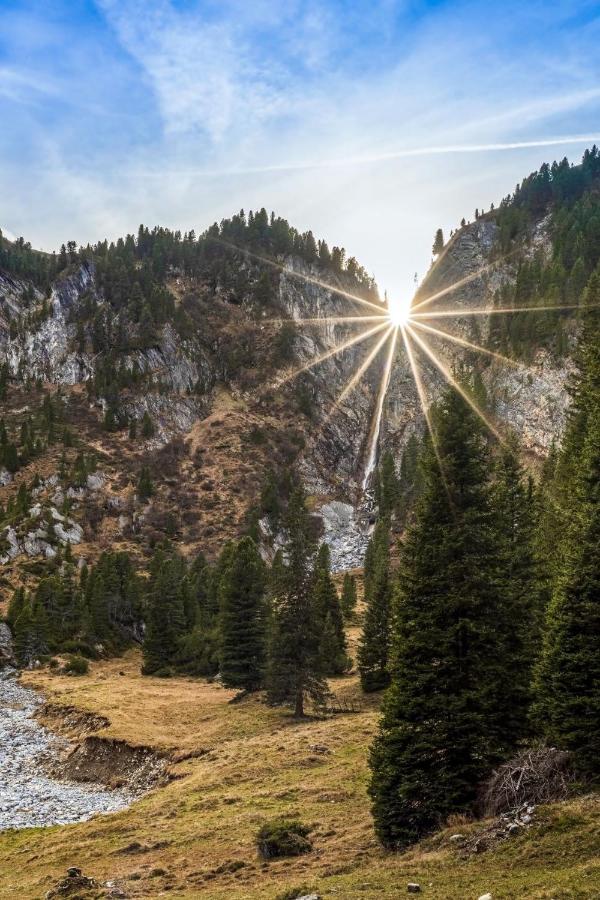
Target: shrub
(296, 893)
(80, 648)
(283, 837)
(77, 665)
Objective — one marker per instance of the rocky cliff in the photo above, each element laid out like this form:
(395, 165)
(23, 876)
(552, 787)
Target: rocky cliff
(219, 427)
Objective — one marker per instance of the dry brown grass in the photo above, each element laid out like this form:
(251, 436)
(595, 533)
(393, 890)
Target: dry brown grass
(257, 763)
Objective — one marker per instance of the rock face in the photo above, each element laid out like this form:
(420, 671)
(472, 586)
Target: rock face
(530, 399)
(183, 376)
(6, 646)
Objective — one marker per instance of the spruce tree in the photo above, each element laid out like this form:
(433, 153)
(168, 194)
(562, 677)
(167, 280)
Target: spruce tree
(349, 598)
(386, 486)
(437, 736)
(567, 679)
(517, 627)
(31, 633)
(145, 487)
(242, 618)
(374, 646)
(438, 243)
(165, 619)
(332, 642)
(15, 607)
(294, 670)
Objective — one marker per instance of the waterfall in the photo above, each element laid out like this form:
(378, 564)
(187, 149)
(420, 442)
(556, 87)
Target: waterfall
(373, 442)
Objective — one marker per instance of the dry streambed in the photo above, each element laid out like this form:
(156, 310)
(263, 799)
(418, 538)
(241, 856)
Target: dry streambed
(41, 773)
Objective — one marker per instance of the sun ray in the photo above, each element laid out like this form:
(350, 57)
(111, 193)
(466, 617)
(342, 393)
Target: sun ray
(462, 281)
(454, 383)
(359, 373)
(375, 427)
(327, 320)
(491, 311)
(424, 404)
(339, 348)
(464, 343)
(308, 278)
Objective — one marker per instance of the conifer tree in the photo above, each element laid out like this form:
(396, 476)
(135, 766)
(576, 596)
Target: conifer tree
(437, 734)
(15, 607)
(294, 667)
(374, 646)
(145, 487)
(98, 607)
(165, 619)
(349, 599)
(567, 682)
(386, 486)
(332, 642)
(438, 244)
(242, 618)
(31, 639)
(517, 627)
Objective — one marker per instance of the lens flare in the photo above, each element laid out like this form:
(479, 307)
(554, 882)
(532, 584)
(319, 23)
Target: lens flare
(399, 311)
(401, 315)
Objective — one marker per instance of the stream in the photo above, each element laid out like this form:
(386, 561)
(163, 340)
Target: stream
(28, 797)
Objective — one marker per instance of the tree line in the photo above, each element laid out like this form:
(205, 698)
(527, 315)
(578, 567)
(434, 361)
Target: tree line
(278, 627)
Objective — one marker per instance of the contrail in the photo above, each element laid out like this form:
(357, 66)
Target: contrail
(376, 157)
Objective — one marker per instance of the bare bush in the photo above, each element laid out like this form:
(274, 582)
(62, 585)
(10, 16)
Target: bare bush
(537, 775)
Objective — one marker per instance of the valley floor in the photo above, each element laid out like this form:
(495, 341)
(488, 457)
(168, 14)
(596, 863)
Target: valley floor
(236, 765)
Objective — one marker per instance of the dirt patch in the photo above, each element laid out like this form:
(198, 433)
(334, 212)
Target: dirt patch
(69, 721)
(114, 763)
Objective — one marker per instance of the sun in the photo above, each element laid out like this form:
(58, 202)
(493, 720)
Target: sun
(399, 311)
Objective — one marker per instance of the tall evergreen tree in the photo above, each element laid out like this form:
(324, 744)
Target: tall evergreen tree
(294, 669)
(332, 641)
(165, 619)
(438, 243)
(374, 646)
(567, 682)
(31, 633)
(242, 618)
(348, 599)
(386, 486)
(517, 627)
(437, 734)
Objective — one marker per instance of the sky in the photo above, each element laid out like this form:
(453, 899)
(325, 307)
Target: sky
(371, 122)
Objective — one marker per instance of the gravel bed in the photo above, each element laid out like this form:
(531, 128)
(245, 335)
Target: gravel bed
(28, 797)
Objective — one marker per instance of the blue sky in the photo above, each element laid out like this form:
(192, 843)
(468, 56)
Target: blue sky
(370, 122)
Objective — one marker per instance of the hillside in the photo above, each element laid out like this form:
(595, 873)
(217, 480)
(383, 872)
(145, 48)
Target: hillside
(196, 487)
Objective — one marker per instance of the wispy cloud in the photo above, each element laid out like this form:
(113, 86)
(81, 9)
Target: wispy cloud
(372, 123)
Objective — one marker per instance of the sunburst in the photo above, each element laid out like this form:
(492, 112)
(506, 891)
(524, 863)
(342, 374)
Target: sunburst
(412, 319)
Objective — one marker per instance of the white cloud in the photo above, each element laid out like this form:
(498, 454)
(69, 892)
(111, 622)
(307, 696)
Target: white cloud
(342, 123)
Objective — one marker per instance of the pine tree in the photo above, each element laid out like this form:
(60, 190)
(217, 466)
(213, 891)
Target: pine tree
(147, 425)
(517, 627)
(242, 618)
(438, 244)
(386, 486)
(567, 679)
(437, 734)
(31, 633)
(165, 618)
(145, 487)
(374, 646)
(15, 607)
(294, 667)
(98, 607)
(349, 598)
(327, 609)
